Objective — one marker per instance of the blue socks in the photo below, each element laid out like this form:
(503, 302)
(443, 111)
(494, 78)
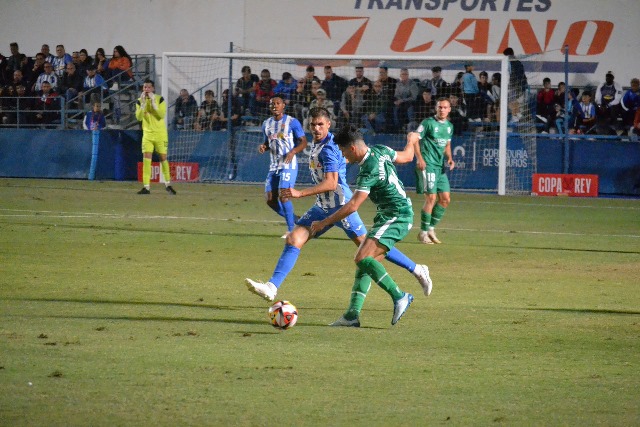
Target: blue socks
(400, 259)
(285, 264)
(287, 208)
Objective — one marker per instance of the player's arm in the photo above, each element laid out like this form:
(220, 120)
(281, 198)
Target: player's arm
(407, 154)
(298, 148)
(415, 140)
(159, 108)
(140, 106)
(347, 209)
(447, 153)
(329, 183)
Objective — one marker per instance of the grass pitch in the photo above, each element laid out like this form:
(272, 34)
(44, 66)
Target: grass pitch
(119, 309)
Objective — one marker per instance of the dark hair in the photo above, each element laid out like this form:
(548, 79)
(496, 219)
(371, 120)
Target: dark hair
(316, 112)
(484, 73)
(101, 52)
(497, 76)
(122, 52)
(310, 68)
(246, 69)
(347, 136)
(150, 82)
(436, 69)
(546, 80)
(208, 92)
(508, 51)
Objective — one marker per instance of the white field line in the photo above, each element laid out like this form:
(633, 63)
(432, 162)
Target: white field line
(27, 213)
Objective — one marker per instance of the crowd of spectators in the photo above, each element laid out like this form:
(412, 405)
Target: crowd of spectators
(33, 89)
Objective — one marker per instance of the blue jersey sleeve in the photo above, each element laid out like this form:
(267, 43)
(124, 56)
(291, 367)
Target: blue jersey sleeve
(296, 129)
(331, 158)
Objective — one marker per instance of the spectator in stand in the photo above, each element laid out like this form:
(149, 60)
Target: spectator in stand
(608, 97)
(84, 62)
(94, 119)
(457, 83)
(75, 58)
(16, 62)
(46, 52)
(458, 115)
(36, 70)
(209, 109)
(320, 101)
(264, 93)
(352, 107)
(494, 108)
(286, 88)
(377, 109)
(586, 115)
(435, 84)
(518, 85)
(558, 96)
(220, 123)
(362, 84)
(186, 109)
(70, 86)
(7, 99)
(61, 60)
(3, 66)
(389, 85)
(93, 85)
(18, 80)
(404, 100)
(46, 107)
(121, 63)
(48, 76)
(545, 105)
(102, 64)
(23, 106)
(334, 85)
(305, 93)
(425, 107)
(631, 104)
(567, 114)
(471, 93)
(246, 85)
(485, 101)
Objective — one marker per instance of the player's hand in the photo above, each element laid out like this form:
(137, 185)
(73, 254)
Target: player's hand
(316, 227)
(262, 148)
(290, 193)
(451, 164)
(420, 164)
(289, 157)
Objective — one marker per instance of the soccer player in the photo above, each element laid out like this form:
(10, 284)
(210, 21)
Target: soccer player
(432, 142)
(328, 172)
(283, 138)
(378, 180)
(151, 110)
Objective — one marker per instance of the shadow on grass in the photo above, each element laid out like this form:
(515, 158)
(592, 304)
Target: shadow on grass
(539, 248)
(585, 311)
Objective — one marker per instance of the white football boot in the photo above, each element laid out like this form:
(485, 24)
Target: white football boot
(267, 290)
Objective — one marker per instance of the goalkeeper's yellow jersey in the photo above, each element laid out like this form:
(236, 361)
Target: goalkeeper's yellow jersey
(153, 124)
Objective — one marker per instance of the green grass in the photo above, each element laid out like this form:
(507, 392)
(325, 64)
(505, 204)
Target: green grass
(121, 309)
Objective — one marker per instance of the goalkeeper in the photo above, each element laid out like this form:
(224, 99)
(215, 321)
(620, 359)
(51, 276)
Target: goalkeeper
(151, 110)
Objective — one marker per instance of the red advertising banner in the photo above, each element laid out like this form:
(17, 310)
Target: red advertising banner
(558, 184)
(180, 172)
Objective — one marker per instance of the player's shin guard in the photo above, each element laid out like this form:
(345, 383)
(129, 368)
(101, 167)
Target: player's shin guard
(285, 264)
(146, 172)
(400, 259)
(436, 214)
(425, 220)
(289, 216)
(166, 173)
(361, 286)
(379, 275)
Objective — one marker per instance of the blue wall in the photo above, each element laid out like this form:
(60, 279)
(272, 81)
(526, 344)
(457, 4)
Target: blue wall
(67, 154)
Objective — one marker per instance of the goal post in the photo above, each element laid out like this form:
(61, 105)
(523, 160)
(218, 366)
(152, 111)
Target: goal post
(200, 72)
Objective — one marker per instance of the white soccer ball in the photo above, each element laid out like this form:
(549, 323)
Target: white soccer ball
(283, 315)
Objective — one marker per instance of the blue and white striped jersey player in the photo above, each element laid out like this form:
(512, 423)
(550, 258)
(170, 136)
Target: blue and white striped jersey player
(328, 171)
(283, 138)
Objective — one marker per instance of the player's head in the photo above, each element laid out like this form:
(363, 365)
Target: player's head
(276, 106)
(149, 86)
(319, 123)
(351, 143)
(443, 108)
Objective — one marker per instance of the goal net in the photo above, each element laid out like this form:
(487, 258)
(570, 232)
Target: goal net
(486, 159)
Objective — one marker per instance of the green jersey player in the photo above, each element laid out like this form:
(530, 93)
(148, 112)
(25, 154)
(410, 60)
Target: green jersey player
(378, 180)
(432, 142)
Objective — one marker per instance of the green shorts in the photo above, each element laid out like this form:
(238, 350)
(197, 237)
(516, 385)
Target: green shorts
(149, 145)
(431, 181)
(389, 230)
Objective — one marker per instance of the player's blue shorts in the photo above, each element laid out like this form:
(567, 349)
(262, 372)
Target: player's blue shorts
(352, 225)
(283, 178)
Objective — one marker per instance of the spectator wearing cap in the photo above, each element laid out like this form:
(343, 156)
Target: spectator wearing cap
(607, 99)
(436, 83)
(320, 101)
(471, 93)
(286, 88)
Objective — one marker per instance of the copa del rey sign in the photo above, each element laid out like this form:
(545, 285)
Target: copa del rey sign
(565, 185)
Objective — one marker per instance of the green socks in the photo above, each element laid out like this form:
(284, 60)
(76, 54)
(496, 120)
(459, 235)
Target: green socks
(377, 272)
(436, 214)
(361, 286)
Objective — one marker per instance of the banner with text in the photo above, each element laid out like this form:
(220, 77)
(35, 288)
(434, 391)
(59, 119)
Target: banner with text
(180, 172)
(573, 185)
